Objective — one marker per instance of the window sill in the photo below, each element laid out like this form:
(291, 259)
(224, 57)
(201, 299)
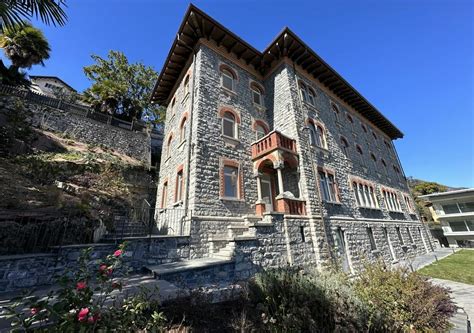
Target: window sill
(228, 91)
(230, 140)
(231, 199)
(370, 208)
(396, 211)
(178, 203)
(259, 107)
(167, 159)
(185, 98)
(335, 203)
(321, 150)
(308, 104)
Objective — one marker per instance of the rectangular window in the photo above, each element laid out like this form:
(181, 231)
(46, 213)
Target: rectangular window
(466, 207)
(399, 234)
(458, 226)
(410, 236)
(328, 186)
(451, 209)
(179, 186)
(257, 97)
(373, 245)
(228, 127)
(470, 225)
(231, 176)
(227, 81)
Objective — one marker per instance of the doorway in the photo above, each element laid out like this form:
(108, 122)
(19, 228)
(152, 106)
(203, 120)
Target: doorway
(267, 192)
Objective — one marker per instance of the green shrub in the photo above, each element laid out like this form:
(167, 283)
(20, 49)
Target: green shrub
(288, 300)
(403, 301)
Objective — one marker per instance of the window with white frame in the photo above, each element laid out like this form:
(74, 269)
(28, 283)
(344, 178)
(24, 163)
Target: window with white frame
(231, 180)
(409, 204)
(260, 131)
(370, 233)
(307, 94)
(257, 94)
(457, 208)
(164, 195)
(229, 125)
(391, 200)
(364, 194)
(328, 186)
(345, 146)
(317, 135)
(179, 186)
(227, 79)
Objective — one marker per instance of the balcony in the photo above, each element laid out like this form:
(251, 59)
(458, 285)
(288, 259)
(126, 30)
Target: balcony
(273, 141)
(291, 206)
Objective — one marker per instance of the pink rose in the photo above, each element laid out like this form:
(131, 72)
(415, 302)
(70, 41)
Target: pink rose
(81, 285)
(34, 311)
(102, 268)
(118, 253)
(82, 315)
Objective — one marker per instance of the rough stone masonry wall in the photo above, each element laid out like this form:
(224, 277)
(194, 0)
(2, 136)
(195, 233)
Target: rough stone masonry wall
(33, 270)
(130, 143)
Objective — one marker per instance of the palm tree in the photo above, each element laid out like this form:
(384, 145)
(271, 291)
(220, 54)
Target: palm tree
(14, 12)
(25, 46)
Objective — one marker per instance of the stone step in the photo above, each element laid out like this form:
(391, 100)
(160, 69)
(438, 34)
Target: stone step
(196, 271)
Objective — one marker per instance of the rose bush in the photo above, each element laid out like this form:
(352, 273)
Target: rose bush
(86, 302)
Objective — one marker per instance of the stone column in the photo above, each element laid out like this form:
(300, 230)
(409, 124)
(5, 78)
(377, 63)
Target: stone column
(278, 166)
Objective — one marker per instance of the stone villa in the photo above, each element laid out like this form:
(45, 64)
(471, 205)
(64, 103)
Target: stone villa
(274, 156)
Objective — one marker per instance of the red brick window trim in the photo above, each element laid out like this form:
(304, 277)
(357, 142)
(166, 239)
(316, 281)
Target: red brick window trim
(328, 187)
(308, 95)
(392, 200)
(230, 121)
(179, 188)
(364, 193)
(168, 144)
(230, 177)
(317, 133)
(164, 194)
(228, 77)
(183, 127)
(261, 128)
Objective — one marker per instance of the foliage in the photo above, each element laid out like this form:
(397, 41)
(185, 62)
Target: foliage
(15, 129)
(288, 300)
(402, 301)
(424, 188)
(14, 12)
(25, 46)
(86, 302)
(457, 267)
(121, 88)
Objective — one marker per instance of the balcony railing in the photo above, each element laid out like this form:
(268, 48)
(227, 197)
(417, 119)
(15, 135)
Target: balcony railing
(291, 206)
(273, 140)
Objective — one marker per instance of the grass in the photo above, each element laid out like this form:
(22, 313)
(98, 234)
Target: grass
(457, 267)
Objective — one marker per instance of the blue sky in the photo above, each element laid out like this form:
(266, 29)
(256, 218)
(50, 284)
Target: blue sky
(413, 59)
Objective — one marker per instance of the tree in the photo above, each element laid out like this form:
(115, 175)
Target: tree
(15, 12)
(122, 89)
(424, 188)
(25, 46)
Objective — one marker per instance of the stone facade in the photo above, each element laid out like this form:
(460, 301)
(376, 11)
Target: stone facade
(358, 154)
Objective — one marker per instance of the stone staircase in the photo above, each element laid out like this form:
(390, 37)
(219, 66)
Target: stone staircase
(219, 267)
(124, 227)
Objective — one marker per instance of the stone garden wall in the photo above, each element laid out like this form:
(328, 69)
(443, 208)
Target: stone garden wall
(34, 270)
(136, 144)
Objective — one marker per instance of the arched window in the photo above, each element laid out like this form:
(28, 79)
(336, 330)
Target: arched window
(335, 109)
(313, 137)
(349, 117)
(387, 144)
(303, 91)
(173, 106)
(164, 195)
(186, 85)
(374, 160)
(307, 94)
(182, 129)
(345, 146)
(257, 94)
(227, 79)
(374, 135)
(229, 125)
(168, 145)
(260, 132)
(321, 136)
(361, 155)
(359, 150)
(311, 96)
(384, 164)
(364, 128)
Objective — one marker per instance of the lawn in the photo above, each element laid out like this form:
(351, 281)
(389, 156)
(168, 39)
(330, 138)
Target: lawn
(457, 267)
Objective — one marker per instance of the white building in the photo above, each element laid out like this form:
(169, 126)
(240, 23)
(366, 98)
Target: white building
(455, 211)
(51, 86)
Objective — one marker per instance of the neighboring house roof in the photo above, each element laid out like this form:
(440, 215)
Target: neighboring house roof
(197, 24)
(446, 195)
(51, 77)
